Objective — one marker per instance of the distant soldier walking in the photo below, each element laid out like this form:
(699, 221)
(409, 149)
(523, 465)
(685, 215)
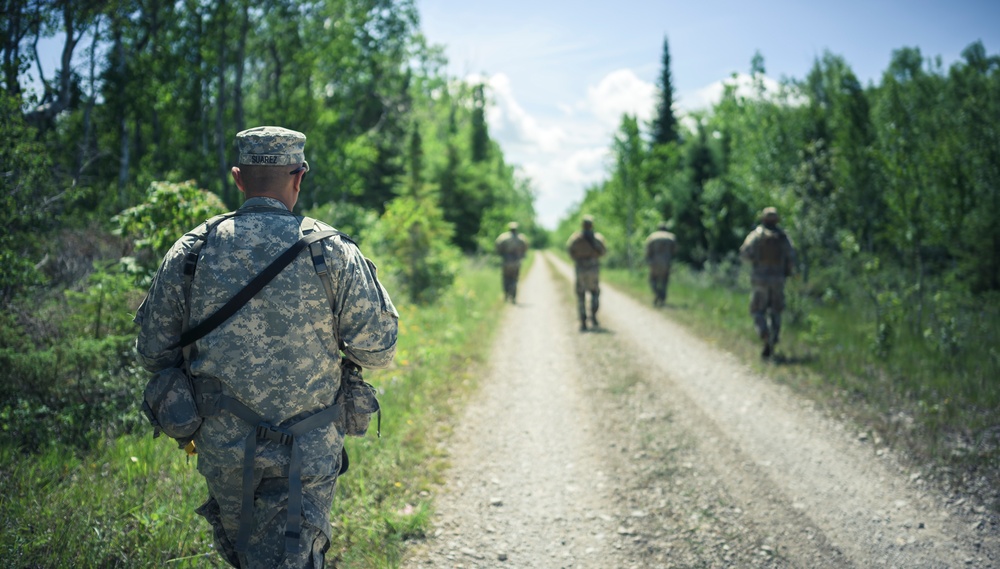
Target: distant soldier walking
(586, 248)
(660, 248)
(772, 256)
(511, 246)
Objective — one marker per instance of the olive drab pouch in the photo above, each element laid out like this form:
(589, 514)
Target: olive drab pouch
(169, 404)
(358, 401)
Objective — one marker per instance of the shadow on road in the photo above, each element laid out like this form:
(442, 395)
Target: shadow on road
(792, 359)
(673, 306)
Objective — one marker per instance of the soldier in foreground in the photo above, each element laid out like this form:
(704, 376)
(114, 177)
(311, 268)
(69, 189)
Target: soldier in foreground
(772, 257)
(270, 484)
(511, 246)
(660, 248)
(586, 249)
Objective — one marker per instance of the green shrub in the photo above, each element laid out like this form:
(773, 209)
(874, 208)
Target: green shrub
(412, 241)
(170, 210)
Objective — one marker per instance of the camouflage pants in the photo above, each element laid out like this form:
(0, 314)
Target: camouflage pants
(767, 299)
(511, 271)
(266, 549)
(659, 279)
(588, 280)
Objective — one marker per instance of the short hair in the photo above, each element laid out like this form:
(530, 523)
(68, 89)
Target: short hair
(263, 179)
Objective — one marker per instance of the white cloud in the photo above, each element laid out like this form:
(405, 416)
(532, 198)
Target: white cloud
(565, 150)
(708, 96)
(618, 93)
(506, 111)
(704, 98)
(561, 182)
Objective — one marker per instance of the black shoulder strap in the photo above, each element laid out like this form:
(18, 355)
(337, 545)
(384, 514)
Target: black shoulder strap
(251, 289)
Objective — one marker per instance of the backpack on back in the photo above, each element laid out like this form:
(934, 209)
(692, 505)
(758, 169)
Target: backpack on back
(770, 248)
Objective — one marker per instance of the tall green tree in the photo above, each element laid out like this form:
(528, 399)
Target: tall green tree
(665, 129)
(974, 167)
(628, 192)
(841, 123)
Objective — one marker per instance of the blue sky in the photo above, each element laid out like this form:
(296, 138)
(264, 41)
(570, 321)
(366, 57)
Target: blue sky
(561, 73)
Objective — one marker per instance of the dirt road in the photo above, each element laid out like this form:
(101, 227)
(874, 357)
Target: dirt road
(639, 445)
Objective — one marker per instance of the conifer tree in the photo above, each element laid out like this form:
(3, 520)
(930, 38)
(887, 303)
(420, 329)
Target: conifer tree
(665, 123)
(480, 134)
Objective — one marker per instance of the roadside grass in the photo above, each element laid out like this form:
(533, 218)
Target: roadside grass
(129, 501)
(941, 408)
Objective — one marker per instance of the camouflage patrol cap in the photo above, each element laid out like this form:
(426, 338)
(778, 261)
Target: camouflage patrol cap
(588, 221)
(271, 146)
(512, 226)
(769, 214)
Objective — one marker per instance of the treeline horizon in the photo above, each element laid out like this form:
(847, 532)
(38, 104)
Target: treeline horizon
(122, 151)
(905, 169)
(891, 191)
(156, 93)
(891, 195)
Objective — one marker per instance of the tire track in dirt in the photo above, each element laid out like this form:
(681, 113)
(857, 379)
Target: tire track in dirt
(817, 493)
(638, 445)
(526, 487)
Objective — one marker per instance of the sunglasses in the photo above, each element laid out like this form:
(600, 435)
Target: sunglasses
(303, 168)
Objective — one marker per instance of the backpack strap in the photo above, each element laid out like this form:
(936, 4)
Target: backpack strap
(251, 289)
(189, 268)
(308, 226)
(288, 436)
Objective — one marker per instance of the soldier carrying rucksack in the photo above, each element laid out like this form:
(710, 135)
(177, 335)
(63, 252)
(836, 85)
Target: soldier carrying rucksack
(511, 246)
(772, 256)
(586, 247)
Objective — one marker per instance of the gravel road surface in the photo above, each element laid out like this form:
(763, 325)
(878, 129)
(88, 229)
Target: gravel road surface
(638, 445)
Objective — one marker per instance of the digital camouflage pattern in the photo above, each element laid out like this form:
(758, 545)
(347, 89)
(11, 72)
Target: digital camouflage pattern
(271, 146)
(266, 549)
(661, 245)
(278, 354)
(512, 247)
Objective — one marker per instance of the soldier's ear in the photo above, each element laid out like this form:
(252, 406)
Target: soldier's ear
(238, 178)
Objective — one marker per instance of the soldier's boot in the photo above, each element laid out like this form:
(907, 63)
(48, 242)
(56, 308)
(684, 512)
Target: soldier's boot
(765, 337)
(583, 323)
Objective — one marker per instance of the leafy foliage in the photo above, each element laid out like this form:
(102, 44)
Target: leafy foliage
(890, 193)
(413, 239)
(24, 179)
(170, 211)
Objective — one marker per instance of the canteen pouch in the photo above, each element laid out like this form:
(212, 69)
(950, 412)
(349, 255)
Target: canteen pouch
(169, 404)
(358, 401)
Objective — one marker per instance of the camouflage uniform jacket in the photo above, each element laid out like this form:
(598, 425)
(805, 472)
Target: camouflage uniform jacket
(660, 248)
(279, 353)
(511, 247)
(771, 255)
(586, 253)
